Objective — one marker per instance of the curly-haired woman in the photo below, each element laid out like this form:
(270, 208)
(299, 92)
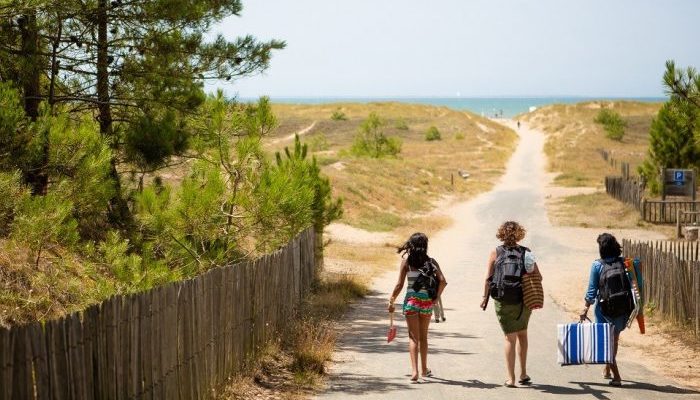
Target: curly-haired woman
(508, 260)
(417, 305)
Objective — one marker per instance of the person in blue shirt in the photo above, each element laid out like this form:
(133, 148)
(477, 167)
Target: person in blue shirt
(610, 252)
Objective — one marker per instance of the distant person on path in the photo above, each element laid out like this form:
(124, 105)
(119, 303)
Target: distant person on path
(610, 289)
(518, 124)
(506, 266)
(418, 302)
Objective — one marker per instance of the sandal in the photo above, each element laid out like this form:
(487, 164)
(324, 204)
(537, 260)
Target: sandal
(525, 381)
(413, 380)
(615, 383)
(509, 384)
(428, 374)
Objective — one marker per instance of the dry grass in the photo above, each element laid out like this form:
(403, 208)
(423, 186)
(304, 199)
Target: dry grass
(295, 366)
(573, 138)
(62, 283)
(385, 194)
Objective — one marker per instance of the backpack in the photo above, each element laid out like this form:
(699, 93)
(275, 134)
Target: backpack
(505, 284)
(427, 278)
(615, 290)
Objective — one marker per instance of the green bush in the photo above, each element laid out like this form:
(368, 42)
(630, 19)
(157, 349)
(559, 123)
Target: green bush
(613, 124)
(401, 124)
(338, 115)
(433, 134)
(318, 142)
(372, 142)
(459, 136)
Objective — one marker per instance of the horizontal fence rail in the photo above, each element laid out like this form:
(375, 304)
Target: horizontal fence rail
(177, 341)
(671, 273)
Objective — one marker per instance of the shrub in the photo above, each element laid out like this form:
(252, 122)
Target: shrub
(318, 142)
(338, 115)
(459, 136)
(433, 134)
(371, 140)
(401, 124)
(613, 124)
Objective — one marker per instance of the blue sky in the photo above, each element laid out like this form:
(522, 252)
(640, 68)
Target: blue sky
(472, 48)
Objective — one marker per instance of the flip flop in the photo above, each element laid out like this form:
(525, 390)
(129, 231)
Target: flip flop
(525, 381)
(414, 381)
(428, 374)
(615, 383)
(508, 385)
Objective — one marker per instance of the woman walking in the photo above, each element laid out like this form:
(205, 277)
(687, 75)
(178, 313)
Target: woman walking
(610, 289)
(506, 266)
(417, 304)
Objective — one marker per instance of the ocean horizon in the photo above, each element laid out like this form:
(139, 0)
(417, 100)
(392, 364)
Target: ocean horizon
(506, 107)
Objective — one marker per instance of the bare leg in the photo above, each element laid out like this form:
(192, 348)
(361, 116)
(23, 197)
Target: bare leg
(613, 366)
(413, 339)
(510, 356)
(522, 353)
(424, 323)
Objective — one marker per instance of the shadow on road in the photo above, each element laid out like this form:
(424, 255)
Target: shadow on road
(355, 384)
(600, 390)
(369, 335)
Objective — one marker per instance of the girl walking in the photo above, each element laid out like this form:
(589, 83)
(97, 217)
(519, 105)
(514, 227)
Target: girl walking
(417, 304)
(506, 265)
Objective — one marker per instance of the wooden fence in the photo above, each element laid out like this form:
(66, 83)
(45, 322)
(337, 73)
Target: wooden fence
(174, 342)
(627, 191)
(666, 211)
(671, 272)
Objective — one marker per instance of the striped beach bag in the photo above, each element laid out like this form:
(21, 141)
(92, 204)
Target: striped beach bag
(585, 343)
(533, 293)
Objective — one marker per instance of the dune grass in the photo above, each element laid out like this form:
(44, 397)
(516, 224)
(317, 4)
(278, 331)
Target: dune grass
(574, 138)
(295, 365)
(383, 194)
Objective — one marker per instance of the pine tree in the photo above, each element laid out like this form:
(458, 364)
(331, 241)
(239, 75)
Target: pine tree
(673, 137)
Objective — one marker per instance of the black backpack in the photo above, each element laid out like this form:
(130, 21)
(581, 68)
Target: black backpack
(615, 290)
(505, 284)
(427, 278)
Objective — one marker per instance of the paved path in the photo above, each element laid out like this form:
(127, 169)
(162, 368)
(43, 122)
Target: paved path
(466, 352)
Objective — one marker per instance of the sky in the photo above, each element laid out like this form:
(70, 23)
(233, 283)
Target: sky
(468, 48)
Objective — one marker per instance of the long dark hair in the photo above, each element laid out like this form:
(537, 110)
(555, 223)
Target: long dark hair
(608, 246)
(417, 249)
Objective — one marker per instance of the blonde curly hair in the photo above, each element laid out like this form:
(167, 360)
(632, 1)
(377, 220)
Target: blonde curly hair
(510, 233)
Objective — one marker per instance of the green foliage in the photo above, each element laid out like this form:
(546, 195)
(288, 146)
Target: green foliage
(150, 141)
(459, 136)
(318, 142)
(401, 124)
(14, 194)
(338, 115)
(432, 134)
(672, 141)
(45, 222)
(613, 124)
(673, 137)
(371, 141)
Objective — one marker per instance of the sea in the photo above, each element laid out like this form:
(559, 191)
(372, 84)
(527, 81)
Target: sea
(505, 107)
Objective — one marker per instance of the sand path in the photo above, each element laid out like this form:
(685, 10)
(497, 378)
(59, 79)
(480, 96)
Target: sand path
(466, 351)
(300, 133)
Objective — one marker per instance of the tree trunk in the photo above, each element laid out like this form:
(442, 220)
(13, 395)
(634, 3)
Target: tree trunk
(119, 210)
(35, 176)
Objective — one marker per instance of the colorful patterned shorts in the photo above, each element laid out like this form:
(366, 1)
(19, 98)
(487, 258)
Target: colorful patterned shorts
(417, 303)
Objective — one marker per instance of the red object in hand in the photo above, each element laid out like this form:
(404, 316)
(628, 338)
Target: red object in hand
(392, 329)
(640, 322)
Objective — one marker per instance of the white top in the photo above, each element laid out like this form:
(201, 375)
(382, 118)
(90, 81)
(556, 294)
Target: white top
(529, 261)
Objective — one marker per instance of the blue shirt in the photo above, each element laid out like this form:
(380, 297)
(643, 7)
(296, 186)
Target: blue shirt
(594, 279)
